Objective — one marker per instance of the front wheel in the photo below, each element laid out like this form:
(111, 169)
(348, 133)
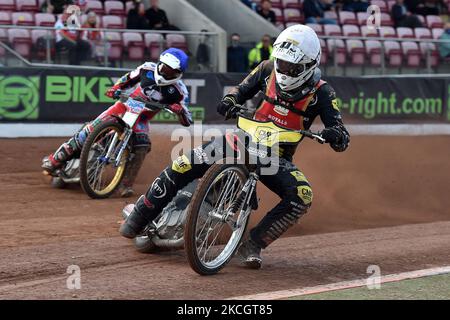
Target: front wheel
(213, 229)
(99, 175)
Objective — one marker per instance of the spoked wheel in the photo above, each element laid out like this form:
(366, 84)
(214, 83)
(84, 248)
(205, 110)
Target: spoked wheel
(99, 174)
(213, 231)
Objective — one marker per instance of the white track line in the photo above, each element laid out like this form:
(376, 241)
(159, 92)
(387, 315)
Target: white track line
(39, 130)
(283, 294)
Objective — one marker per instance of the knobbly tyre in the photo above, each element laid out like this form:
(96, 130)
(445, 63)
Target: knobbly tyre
(101, 164)
(166, 231)
(218, 214)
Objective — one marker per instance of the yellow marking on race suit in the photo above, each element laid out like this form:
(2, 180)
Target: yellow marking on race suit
(305, 193)
(299, 176)
(268, 133)
(181, 164)
(334, 102)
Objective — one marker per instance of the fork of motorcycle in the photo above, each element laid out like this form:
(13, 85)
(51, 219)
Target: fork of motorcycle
(123, 144)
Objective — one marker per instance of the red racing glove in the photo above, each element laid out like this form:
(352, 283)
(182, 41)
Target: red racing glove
(111, 92)
(176, 108)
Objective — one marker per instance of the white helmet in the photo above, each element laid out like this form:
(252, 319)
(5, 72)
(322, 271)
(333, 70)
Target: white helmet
(297, 54)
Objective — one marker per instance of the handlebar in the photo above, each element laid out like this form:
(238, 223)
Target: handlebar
(307, 133)
(146, 102)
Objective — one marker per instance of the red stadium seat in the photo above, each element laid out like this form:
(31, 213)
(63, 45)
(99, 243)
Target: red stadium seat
(429, 51)
(278, 14)
(22, 19)
(94, 5)
(316, 27)
(7, 5)
(20, 40)
(386, 20)
(292, 15)
(422, 19)
(128, 6)
(176, 41)
(332, 30)
(5, 18)
(423, 33)
(44, 19)
(154, 42)
(115, 40)
(337, 50)
(114, 8)
(347, 17)
(276, 4)
(437, 32)
(135, 45)
(393, 53)
(362, 18)
(27, 5)
(412, 53)
(350, 30)
(403, 32)
(387, 32)
(356, 51)
(112, 22)
(369, 32)
(381, 4)
(295, 4)
(434, 22)
(373, 51)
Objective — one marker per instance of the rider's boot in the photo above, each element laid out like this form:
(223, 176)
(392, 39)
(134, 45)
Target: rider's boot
(250, 254)
(126, 186)
(50, 164)
(136, 222)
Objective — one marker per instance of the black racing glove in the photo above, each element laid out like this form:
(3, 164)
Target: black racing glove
(227, 107)
(337, 137)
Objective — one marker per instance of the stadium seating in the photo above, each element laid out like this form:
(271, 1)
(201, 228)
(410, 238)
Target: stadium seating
(437, 32)
(393, 53)
(330, 15)
(116, 49)
(369, 32)
(176, 41)
(317, 28)
(154, 42)
(27, 5)
(5, 18)
(128, 6)
(373, 51)
(292, 15)
(356, 51)
(423, 33)
(7, 5)
(94, 5)
(350, 30)
(324, 55)
(347, 17)
(112, 22)
(382, 5)
(278, 14)
(135, 45)
(362, 18)
(44, 19)
(337, 50)
(412, 53)
(20, 40)
(386, 20)
(332, 30)
(114, 8)
(429, 51)
(387, 32)
(295, 4)
(403, 32)
(434, 22)
(22, 19)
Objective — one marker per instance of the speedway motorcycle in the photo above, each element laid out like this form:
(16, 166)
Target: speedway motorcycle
(106, 152)
(220, 208)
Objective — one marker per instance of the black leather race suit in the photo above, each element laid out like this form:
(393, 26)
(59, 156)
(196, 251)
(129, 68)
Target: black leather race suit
(289, 183)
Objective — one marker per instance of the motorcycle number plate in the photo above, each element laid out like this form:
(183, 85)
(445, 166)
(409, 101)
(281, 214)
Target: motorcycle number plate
(130, 118)
(135, 106)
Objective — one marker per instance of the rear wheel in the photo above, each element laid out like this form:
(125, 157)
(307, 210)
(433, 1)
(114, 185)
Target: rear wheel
(99, 175)
(213, 231)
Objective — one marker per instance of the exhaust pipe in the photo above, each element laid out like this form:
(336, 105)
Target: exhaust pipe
(168, 243)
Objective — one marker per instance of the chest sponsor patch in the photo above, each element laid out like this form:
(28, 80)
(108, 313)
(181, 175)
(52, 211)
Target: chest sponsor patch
(281, 110)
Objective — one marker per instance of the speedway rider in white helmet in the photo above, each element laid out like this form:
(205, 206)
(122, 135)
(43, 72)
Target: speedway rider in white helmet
(294, 95)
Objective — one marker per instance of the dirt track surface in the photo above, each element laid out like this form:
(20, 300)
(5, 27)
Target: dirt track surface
(397, 187)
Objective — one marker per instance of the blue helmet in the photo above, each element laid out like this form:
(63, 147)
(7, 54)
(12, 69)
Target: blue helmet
(172, 64)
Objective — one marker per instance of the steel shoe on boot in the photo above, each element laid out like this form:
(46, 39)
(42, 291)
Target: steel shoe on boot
(126, 192)
(49, 164)
(135, 223)
(250, 254)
